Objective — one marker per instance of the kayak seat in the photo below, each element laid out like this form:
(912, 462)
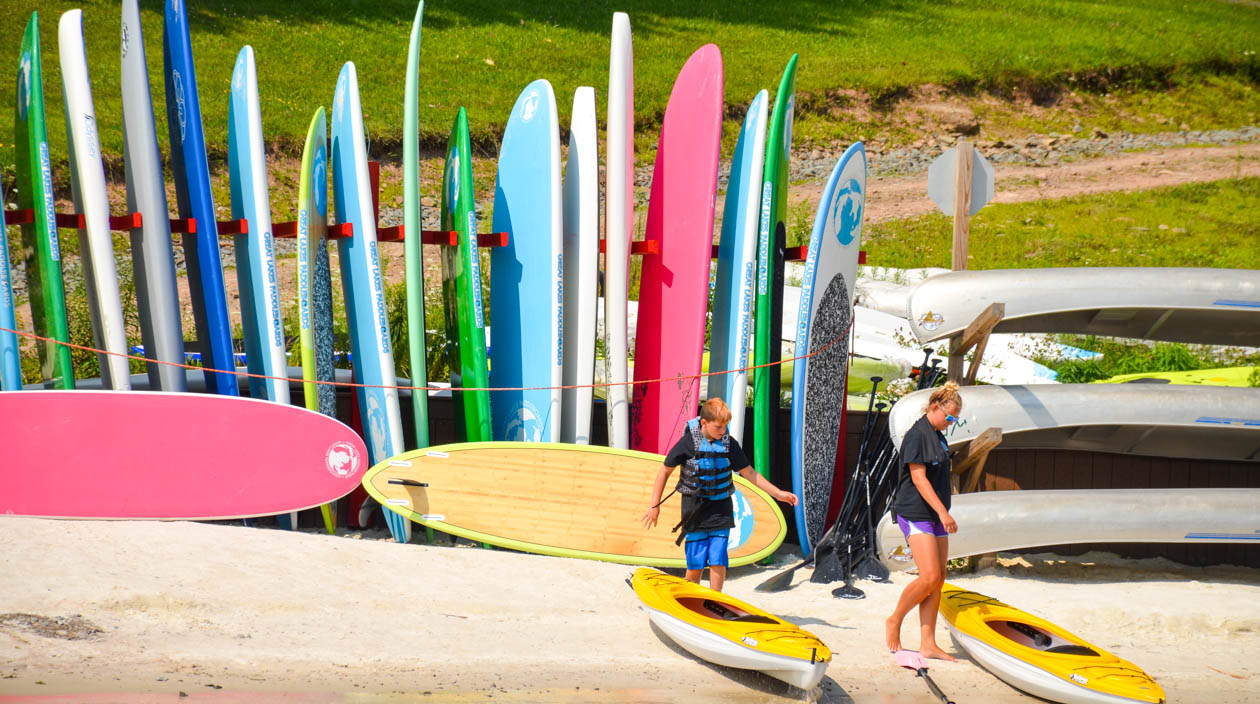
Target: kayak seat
(728, 615)
(1072, 649)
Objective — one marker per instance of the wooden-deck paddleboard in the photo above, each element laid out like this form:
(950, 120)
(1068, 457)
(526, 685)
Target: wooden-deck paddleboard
(581, 269)
(34, 188)
(87, 186)
(132, 455)
(736, 267)
(157, 294)
(566, 500)
(823, 329)
(465, 349)
(255, 250)
(361, 281)
(196, 201)
(674, 287)
(526, 299)
(412, 223)
(767, 345)
(618, 227)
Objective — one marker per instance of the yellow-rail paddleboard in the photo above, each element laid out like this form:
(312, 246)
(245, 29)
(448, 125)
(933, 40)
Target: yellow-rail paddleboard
(566, 500)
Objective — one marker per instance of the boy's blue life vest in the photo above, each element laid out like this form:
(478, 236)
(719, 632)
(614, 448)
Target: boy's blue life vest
(708, 474)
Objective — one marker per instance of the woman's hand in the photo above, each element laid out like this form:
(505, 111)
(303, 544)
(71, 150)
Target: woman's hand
(649, 518)
(951, 526)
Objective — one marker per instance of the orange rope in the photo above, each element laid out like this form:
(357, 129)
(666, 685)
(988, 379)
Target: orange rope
(680, 377)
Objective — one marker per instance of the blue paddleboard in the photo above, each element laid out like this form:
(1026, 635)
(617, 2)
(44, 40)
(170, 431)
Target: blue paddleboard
(192, 191)
(363, 286)
(823, 328)
(736, 266)
(255, 251)
(526, 297)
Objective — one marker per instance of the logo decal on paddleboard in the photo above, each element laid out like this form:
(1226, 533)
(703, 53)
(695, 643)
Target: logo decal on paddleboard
(452, 181)
(125, 38)
(930, 320)
(789, 116)
(376, 425)
(530, 106)
(342, 460)
(743, 522)
(479, 315)
(1079, 679)
(339, 100)
(24, 86)
(178, 82)
(846, 214)
(526, 424)
(319, 180)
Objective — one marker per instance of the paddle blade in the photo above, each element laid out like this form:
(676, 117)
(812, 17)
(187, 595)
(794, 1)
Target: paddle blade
(780, 582)
(848, 591)
(911, 660)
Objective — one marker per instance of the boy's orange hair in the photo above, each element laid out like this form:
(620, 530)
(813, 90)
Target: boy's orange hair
(715, 411)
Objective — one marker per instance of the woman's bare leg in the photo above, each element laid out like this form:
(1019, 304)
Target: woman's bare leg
(930, 606)
(925, 550)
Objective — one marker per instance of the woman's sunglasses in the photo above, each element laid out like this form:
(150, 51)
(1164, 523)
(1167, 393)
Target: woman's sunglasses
(951, 419)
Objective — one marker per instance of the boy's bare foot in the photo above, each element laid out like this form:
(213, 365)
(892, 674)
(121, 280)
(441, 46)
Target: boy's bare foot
(935, 653)
(892, 634)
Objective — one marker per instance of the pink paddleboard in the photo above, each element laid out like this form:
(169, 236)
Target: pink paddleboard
(674, 288)
(133, 455)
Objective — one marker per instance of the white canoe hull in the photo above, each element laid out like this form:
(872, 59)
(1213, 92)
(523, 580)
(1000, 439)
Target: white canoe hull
(1206, 306)
(713, 648)
(1013, 520)
(1165, 420)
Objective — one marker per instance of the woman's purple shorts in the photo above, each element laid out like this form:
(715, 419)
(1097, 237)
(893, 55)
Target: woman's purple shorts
(909, 528)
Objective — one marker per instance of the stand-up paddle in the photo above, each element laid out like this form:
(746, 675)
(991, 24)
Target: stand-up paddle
(911, 660)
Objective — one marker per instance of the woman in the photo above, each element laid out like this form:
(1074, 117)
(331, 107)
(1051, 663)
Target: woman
(922, 511)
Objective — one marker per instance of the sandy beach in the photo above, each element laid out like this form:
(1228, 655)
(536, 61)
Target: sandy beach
(141, 611)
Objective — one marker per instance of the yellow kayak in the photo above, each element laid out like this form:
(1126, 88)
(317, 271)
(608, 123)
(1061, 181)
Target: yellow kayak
(1038, 657)
(726, 631)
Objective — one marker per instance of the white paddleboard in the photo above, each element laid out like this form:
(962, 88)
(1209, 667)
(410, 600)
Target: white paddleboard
(581, 269)
(87, 184)
(618, 227)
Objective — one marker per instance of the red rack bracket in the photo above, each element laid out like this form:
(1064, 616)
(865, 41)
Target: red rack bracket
(374, 178)
(188, 225)
(341, 231)
(447, 238)
(73, 221)
(25, 216)
(795, 254)
(284, 229)
(130, 221)
(636, 247)
(492, 239)
(233, 227)
(862, 256)
(394, 233)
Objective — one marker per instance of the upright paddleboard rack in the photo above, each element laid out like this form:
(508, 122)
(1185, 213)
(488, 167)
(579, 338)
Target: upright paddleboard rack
(645, 247)
(394, 233)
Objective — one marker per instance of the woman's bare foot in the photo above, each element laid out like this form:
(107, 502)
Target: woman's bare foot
(892, 634)
(935, 653)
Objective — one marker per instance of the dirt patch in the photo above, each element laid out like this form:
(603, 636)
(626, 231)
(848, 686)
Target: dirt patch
(890, 199)
(60, 627)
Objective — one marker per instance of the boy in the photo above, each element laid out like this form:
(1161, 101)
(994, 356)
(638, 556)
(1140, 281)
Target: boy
(708, 457)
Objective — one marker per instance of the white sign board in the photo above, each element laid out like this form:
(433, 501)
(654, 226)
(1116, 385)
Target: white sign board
(943, 175)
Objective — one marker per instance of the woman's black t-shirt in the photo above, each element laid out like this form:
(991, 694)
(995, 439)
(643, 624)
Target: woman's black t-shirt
(923, 445)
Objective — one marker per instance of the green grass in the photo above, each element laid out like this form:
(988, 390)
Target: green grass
(481, 53)
(1203, 225)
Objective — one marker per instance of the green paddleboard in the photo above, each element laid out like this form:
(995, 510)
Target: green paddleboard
(39, 238)
(770, 244)
(1227, 376)
(465, 348)
(412, 224)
